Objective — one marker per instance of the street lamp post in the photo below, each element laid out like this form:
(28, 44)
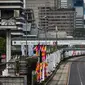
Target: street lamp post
(26, 17)
(56, 31)
(56, 36)
(26, 37)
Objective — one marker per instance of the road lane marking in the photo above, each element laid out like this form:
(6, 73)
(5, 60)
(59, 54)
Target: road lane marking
(79, 75)
(81, 83)
(84, 64)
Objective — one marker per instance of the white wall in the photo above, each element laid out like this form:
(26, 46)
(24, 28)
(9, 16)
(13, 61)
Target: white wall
(79, 11)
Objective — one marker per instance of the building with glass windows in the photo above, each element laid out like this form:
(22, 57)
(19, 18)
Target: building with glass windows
(62, 18)
(79, 10)
(84, 13)
(79, 7)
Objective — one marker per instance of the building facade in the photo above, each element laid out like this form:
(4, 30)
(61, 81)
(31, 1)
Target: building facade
(34, 4)
(10, 15)
(62, 18)
(79, 8)
(17, 21)
(64, 3)
(84, 13)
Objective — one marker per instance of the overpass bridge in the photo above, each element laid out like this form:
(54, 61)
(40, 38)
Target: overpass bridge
(53, 59)
(19, 41)
(71, 42)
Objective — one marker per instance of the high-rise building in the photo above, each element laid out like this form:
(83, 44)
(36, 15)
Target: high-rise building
(84, 13)
(12, 16)
(34, 4)
(10, 9)
(79, 8)
(62, 18)
(64, 3)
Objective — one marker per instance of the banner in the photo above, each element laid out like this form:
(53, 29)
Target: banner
(30, 50)
(23, 50)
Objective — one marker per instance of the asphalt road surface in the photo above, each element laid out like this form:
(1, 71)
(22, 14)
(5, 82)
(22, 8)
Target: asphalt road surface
(77, 72)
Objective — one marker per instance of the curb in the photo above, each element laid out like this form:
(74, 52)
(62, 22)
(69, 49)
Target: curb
(53, 74)
(68, 74)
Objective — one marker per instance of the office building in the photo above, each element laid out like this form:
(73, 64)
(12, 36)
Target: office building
(84, 13)
(9, 10)
(13, 17)
(62, 18)
(79, 7)
(64, 3)
(34, 4)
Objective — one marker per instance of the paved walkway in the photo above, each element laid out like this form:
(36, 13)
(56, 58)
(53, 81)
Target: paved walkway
(61, 76)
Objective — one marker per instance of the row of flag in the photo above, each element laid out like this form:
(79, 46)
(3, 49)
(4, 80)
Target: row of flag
(41, 67)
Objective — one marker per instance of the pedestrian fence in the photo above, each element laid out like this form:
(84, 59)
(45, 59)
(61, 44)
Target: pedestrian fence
(54, 59)
(74, 53)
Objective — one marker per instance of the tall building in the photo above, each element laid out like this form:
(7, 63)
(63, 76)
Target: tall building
(34, 4)
(12, 16)
(62, 18)
(10, 9)
(64, 3)
(79, 7)
(84, 13)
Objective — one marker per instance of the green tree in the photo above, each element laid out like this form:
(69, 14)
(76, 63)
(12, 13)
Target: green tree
(79, 32)
(2, 45)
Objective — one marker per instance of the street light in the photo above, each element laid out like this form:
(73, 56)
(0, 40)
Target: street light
(56, 31)
(26, 17)
(56, 36)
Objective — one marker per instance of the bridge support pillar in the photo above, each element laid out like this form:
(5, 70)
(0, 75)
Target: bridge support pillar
(8, 45)
(8, 49)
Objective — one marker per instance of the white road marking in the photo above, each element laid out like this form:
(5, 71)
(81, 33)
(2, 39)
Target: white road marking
(79, 75)
(81, 83)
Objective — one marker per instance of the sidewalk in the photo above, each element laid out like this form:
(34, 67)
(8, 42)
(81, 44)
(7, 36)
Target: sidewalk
(61, 76)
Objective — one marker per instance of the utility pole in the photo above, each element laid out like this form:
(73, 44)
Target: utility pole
(26, 18)
(26, 36)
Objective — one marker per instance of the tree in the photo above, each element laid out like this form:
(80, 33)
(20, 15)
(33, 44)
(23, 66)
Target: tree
(79, 32)
(2, 45)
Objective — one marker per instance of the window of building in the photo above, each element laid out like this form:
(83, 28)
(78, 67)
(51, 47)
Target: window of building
(7, 14)
(16, 13)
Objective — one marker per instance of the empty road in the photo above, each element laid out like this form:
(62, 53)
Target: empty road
(77, 72)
